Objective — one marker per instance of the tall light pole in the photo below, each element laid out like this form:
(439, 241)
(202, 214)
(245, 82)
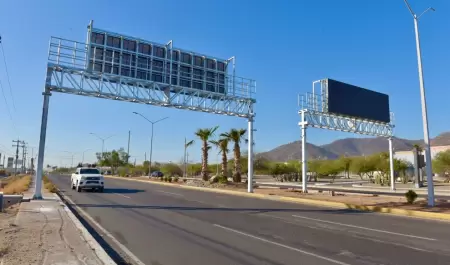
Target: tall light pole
(424, 106)
(151, 139)
(82, 160)
(103, 141)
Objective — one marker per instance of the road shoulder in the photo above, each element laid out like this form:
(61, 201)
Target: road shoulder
(43, 232)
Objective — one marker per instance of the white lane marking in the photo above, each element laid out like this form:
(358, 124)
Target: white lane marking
(122, 195)
(282, 245)
(171, 193)
(106, 233)
(365, 228)
(390, 243)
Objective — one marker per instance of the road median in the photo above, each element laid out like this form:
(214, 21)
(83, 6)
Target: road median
(427, 214)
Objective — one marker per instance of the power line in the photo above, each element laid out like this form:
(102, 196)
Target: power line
(7, 73)
(3, 90)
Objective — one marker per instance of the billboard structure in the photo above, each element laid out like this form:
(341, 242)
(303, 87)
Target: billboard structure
(123, 68)
(343, 107)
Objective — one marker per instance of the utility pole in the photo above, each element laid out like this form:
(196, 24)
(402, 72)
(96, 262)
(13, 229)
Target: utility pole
(128, 150)
(1, 160)
(24, 155)
(17, 142)
(145, 156)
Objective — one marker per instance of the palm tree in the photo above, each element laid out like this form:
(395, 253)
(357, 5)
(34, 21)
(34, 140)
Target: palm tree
(235, 135)
(205, 135)
(186, 145)
(222, 144)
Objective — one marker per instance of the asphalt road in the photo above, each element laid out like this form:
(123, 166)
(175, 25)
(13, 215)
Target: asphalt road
(168, 225)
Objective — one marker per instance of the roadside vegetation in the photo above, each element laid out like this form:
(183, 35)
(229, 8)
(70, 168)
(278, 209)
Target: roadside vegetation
(16, 184)
(48, 184)
(374, 168)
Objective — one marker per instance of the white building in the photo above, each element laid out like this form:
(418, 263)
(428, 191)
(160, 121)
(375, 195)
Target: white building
(409, 155)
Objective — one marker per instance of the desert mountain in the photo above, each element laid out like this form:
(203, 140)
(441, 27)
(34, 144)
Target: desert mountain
(347, 146)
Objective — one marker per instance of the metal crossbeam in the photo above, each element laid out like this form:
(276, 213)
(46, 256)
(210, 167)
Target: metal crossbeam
(81, 82)
(329, 121)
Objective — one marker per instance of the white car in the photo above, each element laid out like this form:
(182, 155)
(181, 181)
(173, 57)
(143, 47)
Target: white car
(87, 178)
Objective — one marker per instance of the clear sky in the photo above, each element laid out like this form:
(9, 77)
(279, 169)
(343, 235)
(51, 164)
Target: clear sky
(283, 45)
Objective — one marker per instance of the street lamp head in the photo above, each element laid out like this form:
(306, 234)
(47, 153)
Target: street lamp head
(135, 112)
(432, 9)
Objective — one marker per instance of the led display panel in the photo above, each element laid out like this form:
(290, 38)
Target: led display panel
(353, 101)
(115, 54)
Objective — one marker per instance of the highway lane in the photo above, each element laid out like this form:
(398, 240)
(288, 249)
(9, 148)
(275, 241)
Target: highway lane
(169, 225)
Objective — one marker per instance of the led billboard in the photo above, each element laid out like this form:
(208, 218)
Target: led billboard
(353, 101)
(120, 55)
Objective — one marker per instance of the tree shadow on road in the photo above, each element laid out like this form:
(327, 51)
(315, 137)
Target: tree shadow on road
(221, 209)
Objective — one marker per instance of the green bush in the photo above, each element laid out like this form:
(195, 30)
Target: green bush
(223, 179)
(165, 179)
(175, 179)
(411, 196)
(169, 179)
(122, 171)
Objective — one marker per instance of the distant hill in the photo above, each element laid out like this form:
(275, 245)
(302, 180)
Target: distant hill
(347, 146)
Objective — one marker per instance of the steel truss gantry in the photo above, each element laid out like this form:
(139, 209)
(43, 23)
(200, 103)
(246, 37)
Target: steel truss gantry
(313, 113)
(67, 73)
(80, 82)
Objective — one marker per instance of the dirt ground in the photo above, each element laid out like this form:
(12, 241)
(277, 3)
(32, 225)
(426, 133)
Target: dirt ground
(9, 232)
(359, 199)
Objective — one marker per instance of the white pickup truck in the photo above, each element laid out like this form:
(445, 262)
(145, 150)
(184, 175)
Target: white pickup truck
(87, 178)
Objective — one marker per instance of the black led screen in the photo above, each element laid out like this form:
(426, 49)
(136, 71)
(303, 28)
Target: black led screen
(352, 101)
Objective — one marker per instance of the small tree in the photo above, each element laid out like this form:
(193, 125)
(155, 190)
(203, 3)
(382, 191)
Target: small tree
(171, 170)
(235, 135)
(441, 164)
(345, 163)
(314, 168)
(205, 135)
(222, 145)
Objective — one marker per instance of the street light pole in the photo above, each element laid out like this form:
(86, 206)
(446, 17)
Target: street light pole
(103, 141)
(151, 139)
(151, 152)
(82, 160)
(424, 106)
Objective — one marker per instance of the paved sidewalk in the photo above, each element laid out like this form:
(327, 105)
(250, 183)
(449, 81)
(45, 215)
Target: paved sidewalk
(46, 235)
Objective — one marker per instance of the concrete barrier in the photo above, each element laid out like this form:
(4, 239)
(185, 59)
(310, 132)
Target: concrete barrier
(9, 200)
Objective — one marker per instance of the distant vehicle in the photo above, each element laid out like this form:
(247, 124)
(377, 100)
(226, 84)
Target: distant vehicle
(87, 178)
(157, 174)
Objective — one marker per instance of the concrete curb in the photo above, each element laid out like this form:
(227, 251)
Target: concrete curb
(378, 209)
(99, 251)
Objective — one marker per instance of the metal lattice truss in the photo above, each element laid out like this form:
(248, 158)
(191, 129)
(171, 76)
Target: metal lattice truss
(80, 82)
(329, 121)
(67, 73)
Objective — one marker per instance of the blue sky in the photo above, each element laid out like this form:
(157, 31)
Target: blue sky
(283, 45)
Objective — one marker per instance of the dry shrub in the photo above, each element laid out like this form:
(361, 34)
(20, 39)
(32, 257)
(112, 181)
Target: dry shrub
(17, 185)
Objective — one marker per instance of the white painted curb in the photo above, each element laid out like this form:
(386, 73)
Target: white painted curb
(99, 251)
(130, 254)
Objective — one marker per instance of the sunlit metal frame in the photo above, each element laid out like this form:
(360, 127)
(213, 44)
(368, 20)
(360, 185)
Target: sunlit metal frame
(80, 82)
(68, 72)
(314, 113)
(315, 108)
